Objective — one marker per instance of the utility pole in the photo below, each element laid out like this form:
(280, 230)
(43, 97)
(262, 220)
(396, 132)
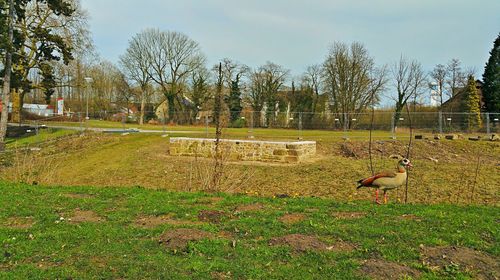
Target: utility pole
(6, 79)
(88, 80)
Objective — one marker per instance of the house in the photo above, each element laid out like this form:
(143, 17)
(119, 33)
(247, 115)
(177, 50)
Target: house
(454, 104)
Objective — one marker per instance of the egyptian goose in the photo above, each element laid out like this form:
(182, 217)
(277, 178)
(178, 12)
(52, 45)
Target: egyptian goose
(387, 180)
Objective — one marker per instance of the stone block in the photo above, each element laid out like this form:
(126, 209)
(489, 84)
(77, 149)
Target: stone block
(268, 151)
(495, 137)
(419, 137)
(280, 152)
(451, 136)
(295, 152)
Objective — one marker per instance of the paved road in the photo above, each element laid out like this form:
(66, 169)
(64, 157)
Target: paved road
(118, 129)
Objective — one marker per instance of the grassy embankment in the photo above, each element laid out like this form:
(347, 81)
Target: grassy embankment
(445, 171)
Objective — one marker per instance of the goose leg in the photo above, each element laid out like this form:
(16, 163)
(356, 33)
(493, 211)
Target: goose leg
(385, 197)
(376, 196)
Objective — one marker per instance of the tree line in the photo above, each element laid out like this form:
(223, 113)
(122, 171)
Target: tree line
(52, 55)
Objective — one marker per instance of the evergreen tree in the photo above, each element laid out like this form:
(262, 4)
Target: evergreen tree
(234, 101)
(491, 79)
(471, 105)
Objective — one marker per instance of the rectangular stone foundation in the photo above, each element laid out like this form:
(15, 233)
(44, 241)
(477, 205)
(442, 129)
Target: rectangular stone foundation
(244, 150)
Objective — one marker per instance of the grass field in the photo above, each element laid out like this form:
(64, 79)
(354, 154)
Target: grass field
(259, 133)
(444, 172)
(115, 233)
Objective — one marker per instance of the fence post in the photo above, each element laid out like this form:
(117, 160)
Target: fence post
(250, 131)
(345, 126)
(80, 121)
(300, 125)
(393, 129)
(206, 125)
(440, 121)
(163, 121)
(488, 131)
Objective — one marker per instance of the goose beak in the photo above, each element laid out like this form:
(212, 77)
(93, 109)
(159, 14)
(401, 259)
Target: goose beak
(410, 165)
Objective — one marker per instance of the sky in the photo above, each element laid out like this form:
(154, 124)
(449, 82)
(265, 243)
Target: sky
(298, 33)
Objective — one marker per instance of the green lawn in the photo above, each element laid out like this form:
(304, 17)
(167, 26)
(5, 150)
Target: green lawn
(38, 244)
(43, 136)
(259, 133)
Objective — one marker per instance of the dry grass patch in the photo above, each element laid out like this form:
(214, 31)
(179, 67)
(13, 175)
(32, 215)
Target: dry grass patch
(19, 222)
(293, 218)
(349, 215)
(154, 221)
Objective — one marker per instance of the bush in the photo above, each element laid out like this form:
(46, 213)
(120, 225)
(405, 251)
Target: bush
(239, 123)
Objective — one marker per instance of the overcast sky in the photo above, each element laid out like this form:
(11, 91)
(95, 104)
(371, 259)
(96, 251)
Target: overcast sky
(298, 33)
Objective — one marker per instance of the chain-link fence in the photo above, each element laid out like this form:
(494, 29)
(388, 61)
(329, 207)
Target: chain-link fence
(431, 122)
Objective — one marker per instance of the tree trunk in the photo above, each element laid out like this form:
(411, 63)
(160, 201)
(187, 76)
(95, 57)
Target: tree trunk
(16, 107)
(397, 113)
(143, 105)
(171, 106)
(6, 80)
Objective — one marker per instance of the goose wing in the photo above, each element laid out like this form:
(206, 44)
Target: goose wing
(369, 181)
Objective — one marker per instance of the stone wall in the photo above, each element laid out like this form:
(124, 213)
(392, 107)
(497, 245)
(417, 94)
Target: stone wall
(246, 150)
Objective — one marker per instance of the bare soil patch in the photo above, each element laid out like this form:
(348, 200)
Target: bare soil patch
(341, 246)
(481, 265)
(249, 207)
(19, 222)
(178, 239)
(154, 221)
(82, 216)
(299, 242)
(349, 215)
(212, 216)
(225, 234)
(381, 269)
(293, 218)
(78, 195)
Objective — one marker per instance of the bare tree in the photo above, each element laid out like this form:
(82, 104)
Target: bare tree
(456, 78)
(256, 92)
(106, 78)
(351, 79)
(312, 79)
(265, 83)
(135, 65)
(7, 73)
(439, 74)
(172, 56)
(409, 79)
(233, 71)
